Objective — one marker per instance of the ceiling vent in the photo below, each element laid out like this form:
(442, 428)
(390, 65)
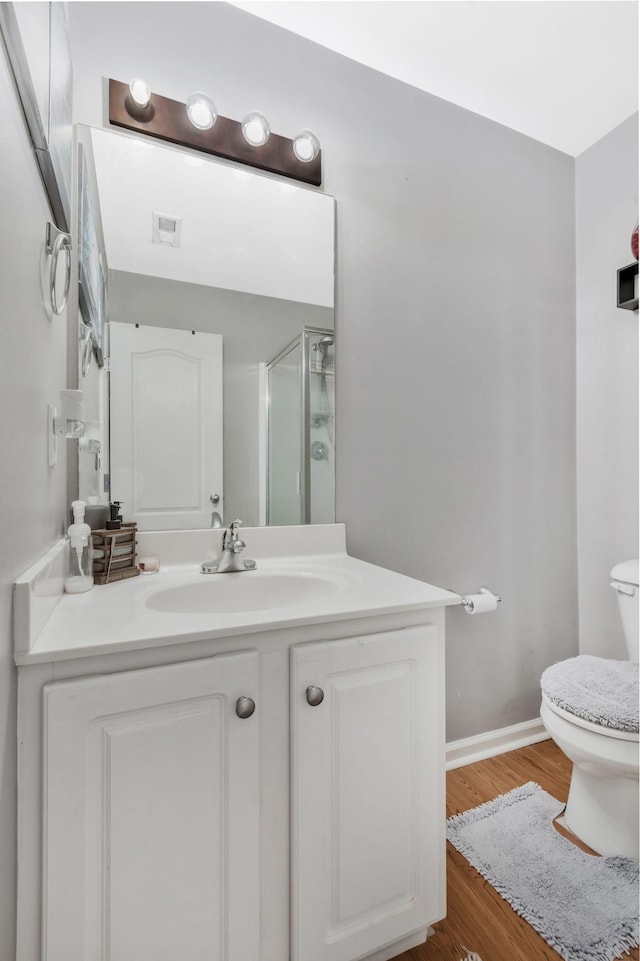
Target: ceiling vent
(166, 229)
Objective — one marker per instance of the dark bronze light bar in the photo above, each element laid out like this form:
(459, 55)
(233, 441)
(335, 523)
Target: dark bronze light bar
(167, 120)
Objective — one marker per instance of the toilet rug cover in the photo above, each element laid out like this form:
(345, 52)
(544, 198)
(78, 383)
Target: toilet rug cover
(596, 689)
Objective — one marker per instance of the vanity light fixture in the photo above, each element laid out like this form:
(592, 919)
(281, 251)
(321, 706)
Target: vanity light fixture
(306, 146)
(140, 92)
(197, 125)
(201, 111)
(138, 100)
(256, 128)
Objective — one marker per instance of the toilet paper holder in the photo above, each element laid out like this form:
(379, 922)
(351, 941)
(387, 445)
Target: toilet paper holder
(480, 602)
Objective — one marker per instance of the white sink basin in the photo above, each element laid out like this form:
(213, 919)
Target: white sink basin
(247, 591)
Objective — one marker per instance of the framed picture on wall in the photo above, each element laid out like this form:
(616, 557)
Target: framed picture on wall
(91, 273)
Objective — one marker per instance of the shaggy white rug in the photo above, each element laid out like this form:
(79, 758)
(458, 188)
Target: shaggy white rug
(584, 906)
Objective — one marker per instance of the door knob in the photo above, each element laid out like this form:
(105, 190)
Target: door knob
(245, 706)
(315, 695)
(215, 498)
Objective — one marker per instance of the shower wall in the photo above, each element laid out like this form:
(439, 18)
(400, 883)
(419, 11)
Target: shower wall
(321, 430)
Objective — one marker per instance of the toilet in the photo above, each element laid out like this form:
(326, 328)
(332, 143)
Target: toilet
(590, 709)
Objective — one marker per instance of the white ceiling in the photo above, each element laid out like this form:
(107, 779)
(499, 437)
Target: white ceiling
(239, 231)
(561, 71)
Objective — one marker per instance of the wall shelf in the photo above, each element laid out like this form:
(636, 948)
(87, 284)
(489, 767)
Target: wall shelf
(627, 292)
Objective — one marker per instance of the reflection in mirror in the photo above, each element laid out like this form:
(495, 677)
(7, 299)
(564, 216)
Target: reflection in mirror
(300, 435)
(218, 400)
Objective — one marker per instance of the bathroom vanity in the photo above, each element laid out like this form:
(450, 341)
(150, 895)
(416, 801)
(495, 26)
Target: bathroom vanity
(246, 766)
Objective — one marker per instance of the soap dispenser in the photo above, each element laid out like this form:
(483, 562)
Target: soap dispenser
(115, 517)
(80, 575)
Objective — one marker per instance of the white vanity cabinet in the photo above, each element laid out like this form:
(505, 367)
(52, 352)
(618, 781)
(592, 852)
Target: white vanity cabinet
(366, 785)
(172, 827)
(156, 822)
(151, 814)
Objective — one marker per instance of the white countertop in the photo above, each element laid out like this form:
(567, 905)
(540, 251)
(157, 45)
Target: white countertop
(125, 615)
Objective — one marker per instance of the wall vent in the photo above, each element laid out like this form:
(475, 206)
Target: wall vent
(166, 229)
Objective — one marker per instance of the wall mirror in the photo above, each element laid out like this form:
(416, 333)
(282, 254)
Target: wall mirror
(216, 400)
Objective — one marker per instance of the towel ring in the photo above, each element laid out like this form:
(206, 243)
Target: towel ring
(57, 241)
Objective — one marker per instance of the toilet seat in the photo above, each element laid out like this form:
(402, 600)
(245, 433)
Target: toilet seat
(594, 691)
(611, 732)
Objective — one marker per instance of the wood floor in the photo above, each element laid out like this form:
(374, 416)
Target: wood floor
(478, 919)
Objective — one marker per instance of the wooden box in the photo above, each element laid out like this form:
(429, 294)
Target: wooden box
(114, 554)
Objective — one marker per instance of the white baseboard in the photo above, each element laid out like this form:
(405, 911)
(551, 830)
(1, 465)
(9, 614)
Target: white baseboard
(491, 743)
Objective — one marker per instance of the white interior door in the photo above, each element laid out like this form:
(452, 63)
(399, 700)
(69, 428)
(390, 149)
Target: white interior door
(166, 425)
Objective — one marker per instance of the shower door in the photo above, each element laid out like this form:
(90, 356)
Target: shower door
(300, 431)
(284, 436)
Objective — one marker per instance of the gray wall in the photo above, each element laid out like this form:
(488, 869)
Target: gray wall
(253, 328)
(33, 371)
(607, 391)
(456, 381)
(455, 316)
(456, 322)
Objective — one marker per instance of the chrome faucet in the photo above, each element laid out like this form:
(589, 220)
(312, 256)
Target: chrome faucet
(230, 560)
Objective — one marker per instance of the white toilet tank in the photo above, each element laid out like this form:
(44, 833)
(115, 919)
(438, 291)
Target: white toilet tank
(625, 583)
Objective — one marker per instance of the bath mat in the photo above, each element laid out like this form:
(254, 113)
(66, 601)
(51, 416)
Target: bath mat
(584, 906)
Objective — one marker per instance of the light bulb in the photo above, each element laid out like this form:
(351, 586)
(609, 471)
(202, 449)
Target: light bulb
(306, 146)
(201, 111)
(140, 92)
(255, 128)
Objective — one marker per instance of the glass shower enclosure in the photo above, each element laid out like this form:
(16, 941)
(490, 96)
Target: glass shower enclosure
(300, 475)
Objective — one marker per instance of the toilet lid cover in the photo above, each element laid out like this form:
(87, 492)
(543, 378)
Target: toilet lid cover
(597, 689)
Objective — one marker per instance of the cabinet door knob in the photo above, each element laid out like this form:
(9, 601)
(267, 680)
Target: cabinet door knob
(245, 706)
(315, 695)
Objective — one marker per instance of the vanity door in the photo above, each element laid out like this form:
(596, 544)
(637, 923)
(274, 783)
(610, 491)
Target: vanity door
(151, 814)
(367, 799)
